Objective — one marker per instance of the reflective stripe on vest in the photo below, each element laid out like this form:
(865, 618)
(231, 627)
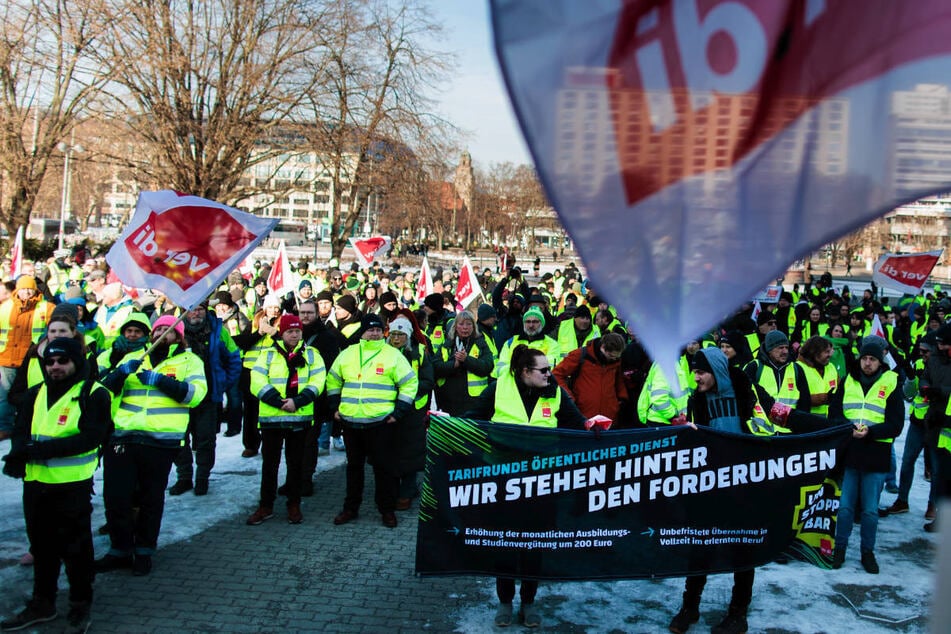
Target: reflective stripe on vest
(868, 407)
(147, 411)
(60, 421)
(509, 407)
(37, 323)
(760, 425)
(475, 384)
(368, 392)
(271, 372)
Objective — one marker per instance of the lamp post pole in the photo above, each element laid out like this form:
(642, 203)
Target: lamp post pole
(67, 151)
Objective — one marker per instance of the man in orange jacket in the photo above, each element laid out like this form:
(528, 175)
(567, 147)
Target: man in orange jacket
(592, 376)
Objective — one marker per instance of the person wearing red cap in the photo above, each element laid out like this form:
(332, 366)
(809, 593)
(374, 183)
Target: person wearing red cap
(287, 378)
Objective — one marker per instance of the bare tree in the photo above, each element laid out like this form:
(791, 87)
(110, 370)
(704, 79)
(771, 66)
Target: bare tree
(202, 87)
(47, 84)
(372, 100)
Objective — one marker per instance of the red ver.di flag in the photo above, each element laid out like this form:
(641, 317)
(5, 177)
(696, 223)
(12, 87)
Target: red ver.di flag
(424, 285)
(184, 245)
(907, 273)
(281, 279)
(695, 148)
(369, 249)
(467, 290)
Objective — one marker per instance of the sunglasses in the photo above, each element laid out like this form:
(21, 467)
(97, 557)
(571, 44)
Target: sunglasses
(51, 361)
(545, 370)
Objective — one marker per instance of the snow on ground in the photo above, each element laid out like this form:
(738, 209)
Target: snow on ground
(786, 598)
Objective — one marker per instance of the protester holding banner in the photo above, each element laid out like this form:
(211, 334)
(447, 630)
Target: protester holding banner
(871, 400)
(591, 374)
(525, 394)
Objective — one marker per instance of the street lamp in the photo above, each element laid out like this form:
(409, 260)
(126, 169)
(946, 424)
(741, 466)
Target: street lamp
(67, 151)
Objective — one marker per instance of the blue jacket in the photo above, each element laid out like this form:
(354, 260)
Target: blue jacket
(223, 365)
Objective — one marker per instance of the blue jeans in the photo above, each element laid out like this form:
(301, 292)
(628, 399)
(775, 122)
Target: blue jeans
(890, 478)
(323, 441)
(7, 411)
(914, 445)
(856, 485)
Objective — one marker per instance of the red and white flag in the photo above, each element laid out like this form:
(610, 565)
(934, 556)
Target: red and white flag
(247, 268)
(183, 245)
(467, 289)
(281, 278)
(906, 273)
(424, 285)
(757, 309)
(16, 255)
(368, 249)
(695, 148)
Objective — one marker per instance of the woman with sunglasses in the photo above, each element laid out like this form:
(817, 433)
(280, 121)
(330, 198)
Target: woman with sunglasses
(525, 395)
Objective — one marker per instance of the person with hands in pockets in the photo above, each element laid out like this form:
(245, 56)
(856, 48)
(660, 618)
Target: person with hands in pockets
(154, 393)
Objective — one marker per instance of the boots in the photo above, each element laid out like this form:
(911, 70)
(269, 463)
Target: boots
(838, 557)
(181, 486)
(733, 623)
(689, 614)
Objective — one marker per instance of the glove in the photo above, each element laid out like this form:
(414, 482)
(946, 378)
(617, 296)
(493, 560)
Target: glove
(149, 377)
(679, 419)
(599, 423)
(130, 366)
(14, 466)
(779, 413)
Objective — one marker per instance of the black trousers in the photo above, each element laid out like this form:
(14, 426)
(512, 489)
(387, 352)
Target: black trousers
(505, 589)
(250, 436)
(58, 520)
(378, 445)
(200, 437)
(271, 442)
(135, 474)
(742, 590)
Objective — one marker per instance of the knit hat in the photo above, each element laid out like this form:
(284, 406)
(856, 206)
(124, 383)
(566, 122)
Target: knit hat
(325, 295)
(874, 346)
(348, 303)
(288, 322)
(535, 312)
(774, 339)
(387, 297)
(26, 281)
(700, 362)
(69, 310)
(304, 283)
(486, 312)
(765, 316)
(271, 300)
(537, 298)
(65, 347)
(583, 311)
(168, 320)
(371, 320)
(401, 324)
(434, 302)
(352, 283)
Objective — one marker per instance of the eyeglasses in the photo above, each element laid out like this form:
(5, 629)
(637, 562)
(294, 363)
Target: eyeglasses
(545, 370)
(51, 361)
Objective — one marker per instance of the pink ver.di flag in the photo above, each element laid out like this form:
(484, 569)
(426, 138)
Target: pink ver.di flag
(695, 148)
(183, 245)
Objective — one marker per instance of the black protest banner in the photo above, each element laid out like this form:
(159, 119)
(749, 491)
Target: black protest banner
(514, 500)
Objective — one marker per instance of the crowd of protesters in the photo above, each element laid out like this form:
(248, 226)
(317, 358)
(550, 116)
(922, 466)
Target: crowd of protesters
(355, 359)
